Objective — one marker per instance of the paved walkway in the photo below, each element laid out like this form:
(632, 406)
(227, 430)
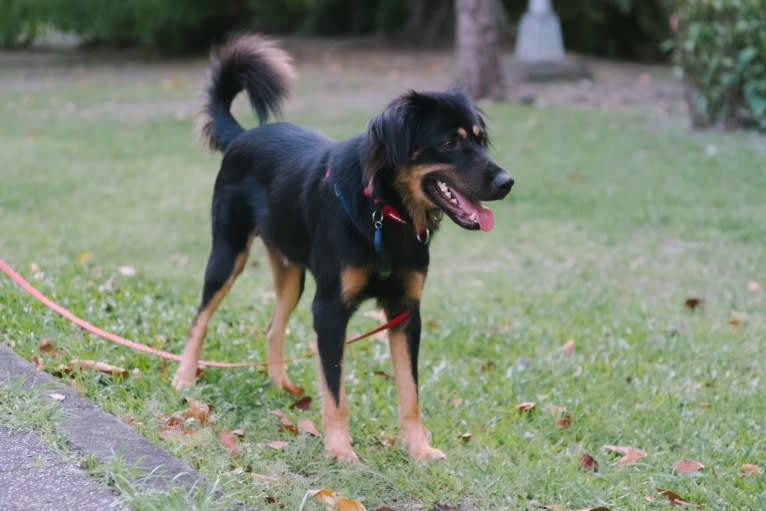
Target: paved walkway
(35, 477)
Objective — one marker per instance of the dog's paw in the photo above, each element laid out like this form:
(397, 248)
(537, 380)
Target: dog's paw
(182, 379)
(427, 453)
(339, 448)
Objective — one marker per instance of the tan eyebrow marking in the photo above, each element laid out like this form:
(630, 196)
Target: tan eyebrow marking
(462, 133)
(476, 129)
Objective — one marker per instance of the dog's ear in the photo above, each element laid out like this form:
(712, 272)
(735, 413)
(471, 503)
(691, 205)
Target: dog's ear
(389, 139)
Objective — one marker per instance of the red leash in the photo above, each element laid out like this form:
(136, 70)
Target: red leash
(37, 295)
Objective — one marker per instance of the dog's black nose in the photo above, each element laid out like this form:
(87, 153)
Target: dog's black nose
(503, 183)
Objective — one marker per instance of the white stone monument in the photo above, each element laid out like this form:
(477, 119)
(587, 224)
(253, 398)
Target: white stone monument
(539, 53)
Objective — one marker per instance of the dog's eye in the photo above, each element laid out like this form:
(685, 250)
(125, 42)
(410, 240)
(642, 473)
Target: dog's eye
(449, 144)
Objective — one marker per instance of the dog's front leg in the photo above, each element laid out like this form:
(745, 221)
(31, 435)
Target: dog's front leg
(404, 343)
(330, 319)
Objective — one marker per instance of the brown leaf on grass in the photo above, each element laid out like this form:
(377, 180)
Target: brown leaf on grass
(230, 441)
(385, 440)
(693, 303)
(101, 367)
(171, 427)
(630, 454)
(737, 318)
(37, 363)
(432, 323)
(284, 423)
(487, 365)
(278, 444)
(749, 469)
(47, 347)
(588, 463)
(308, 426)
(303, 403)
(526, 406)
(465, 437)
(382, 374)
(753, 286)
(599, 508)
(564, 420)
(346, 504)
(324, 496)
(675, 499)
(196, 410)
(687, 466)
(269, 499)
(568, 347)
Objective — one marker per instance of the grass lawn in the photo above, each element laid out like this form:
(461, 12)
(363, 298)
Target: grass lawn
(615, 221)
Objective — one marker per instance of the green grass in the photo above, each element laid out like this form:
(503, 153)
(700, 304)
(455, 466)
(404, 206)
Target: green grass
(615, 220)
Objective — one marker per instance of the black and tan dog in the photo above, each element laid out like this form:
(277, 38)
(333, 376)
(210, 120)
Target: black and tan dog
(357, 214)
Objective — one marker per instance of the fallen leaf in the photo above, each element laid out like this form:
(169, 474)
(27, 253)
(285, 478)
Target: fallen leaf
(308, 426)
(693, 303)
(101, 367)
(588, 463)
(432, 323)
(284, 423)
(564, 421)
(230, 441)
(568, 347)
(239, 433)
(37, 363)
(675, 499)
(526, 406)
(303, 403)
(278, 444)
(599, 508)
(197, 410)
(753, 286)
(385, 440)
(383, 374)
(347, 504)
(47, 347)
(56, 396)
(269, 499)
(324, 496)
(630, 454)
(465, 437)
(687, 466)
(748, 469)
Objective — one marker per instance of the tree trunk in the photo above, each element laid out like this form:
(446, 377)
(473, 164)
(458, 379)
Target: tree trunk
(477, 48)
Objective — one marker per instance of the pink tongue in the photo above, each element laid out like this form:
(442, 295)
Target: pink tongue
(484, 214)
(486, 219)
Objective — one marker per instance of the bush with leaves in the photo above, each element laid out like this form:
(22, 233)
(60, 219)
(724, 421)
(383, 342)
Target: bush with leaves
(720, 51)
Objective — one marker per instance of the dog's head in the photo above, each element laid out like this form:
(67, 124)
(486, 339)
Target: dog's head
(431, 149)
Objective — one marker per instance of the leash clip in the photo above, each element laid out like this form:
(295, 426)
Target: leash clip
(378, 223)
(424, 237)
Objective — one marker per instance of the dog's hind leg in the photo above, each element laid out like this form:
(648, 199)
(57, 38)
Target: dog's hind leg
(288, 287)
(227, 260)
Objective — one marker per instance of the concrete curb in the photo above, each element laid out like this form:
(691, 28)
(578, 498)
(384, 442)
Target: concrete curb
(89, 430)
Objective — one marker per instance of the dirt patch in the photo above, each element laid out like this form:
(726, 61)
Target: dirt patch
(350, 73)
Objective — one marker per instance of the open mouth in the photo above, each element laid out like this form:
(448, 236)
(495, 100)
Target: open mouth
(467, 213)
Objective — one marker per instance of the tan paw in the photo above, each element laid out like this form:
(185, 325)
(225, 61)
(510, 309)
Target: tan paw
(184, 378)
(427, 453)
(339, 448)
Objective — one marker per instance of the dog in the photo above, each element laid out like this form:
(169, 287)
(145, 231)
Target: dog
(359, 215)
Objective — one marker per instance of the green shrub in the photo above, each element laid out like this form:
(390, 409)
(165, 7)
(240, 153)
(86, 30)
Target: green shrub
(19, 21)
(720, 51)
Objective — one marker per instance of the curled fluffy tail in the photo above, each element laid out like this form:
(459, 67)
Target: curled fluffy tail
(249, 62)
